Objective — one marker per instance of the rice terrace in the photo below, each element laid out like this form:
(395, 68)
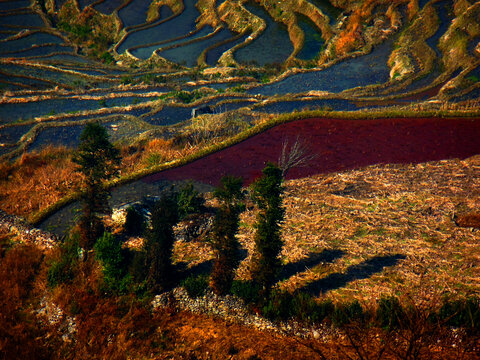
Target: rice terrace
(240, 179)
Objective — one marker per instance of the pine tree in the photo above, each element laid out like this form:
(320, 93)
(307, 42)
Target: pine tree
(224, 241)
(98, 161)
(159, 244)
(267, 193)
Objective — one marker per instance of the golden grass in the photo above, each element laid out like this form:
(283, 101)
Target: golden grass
(372, 213)
(37, 180)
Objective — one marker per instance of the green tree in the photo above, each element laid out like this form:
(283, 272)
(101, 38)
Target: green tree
(267, 193)
(159, 244)
(225, 228)
(98, 161)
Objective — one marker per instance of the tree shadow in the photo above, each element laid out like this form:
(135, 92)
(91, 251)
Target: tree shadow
(183, 271)
(326, 256)
(356, 272)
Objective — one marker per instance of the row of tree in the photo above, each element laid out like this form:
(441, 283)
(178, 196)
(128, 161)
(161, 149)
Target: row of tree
(98, 161)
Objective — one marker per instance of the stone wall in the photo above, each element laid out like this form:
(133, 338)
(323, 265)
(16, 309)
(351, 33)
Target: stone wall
(26, 232)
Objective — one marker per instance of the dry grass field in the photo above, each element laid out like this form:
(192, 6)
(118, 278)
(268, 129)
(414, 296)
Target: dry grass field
(379, 230)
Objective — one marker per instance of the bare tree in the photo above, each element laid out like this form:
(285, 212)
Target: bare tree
(296, 155)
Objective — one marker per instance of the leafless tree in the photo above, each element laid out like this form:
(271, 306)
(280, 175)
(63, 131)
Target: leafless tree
(296, 155)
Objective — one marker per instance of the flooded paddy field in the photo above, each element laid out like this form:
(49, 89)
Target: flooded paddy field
(14, 5)
(85, 87)
(272, 46)
(361, 71)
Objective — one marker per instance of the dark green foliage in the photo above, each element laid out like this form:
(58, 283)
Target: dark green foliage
(389, 313)
(225, 228)
(278, 306)
(246, 290)
(159, 244)
(301, 306)
(134, 222)
(62, 271)
(189, 201)
(107, 57)
(98, 160)
(108, 250)
(81, 32)
(267, 194)
(188, 97)
(196, 285)
(462, 313)
(309, 310)
(347, 313)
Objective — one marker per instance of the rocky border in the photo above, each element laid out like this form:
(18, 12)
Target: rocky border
(27, 233)
(234, 309)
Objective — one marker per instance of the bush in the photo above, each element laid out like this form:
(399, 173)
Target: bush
(279, 306)
(196, 285)
(246, 290)
(307, 309)
(389, 313)
(107, 58)
(461, 313)
(189, 201)
(347, 313)
(62, 271)
(108, 250)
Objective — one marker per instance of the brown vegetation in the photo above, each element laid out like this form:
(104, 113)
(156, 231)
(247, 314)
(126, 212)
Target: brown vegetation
(37, 180)
(20, 331)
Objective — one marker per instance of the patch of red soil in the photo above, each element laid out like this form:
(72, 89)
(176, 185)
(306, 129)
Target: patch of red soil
(338, 145)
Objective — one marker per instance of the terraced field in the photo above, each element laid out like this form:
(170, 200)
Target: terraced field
(383, 96)
(146, 64)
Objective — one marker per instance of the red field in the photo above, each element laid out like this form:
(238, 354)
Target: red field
(338, 145)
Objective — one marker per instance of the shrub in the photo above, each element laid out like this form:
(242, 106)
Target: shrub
(137, 266)
(189, 201)
(389, 313)
(107, 57)
(154, 159)
(307, 309)
(62, 271)
(246, 290)
(347, 313)
(462, 313)
(108, 250)
(196, 285)
(278, 306)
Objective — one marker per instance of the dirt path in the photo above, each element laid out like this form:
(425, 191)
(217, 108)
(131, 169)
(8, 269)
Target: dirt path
(338, 145)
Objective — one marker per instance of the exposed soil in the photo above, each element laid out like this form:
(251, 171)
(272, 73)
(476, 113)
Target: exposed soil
(338, 145)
